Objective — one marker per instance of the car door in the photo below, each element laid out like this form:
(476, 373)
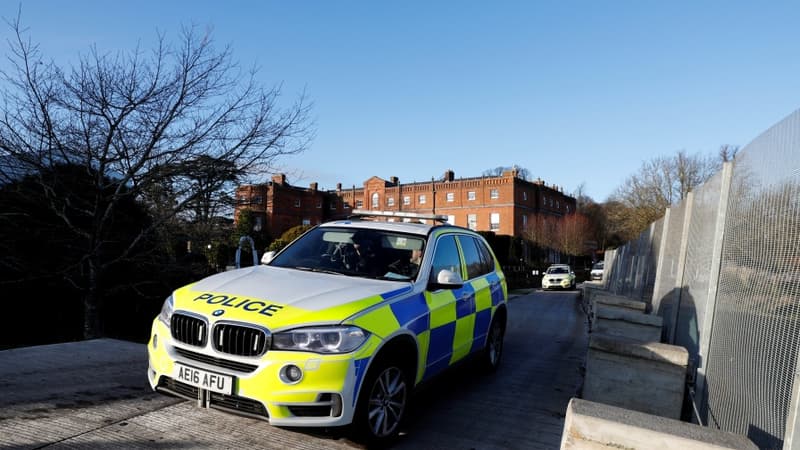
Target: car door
(474, 304)
(442, 306)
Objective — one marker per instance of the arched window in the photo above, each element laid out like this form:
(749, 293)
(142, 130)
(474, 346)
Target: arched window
(375, 200)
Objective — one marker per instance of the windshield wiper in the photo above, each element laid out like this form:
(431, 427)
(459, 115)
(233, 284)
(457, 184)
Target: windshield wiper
(318, 270)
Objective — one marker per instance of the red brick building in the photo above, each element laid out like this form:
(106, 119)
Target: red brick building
(503, 204)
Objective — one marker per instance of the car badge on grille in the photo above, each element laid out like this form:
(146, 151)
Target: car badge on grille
(218, 312)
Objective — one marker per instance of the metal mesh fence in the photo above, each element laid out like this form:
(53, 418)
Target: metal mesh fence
(697, 270)
(652, 262)
(754, 338)
(665, 295)
(732, 296)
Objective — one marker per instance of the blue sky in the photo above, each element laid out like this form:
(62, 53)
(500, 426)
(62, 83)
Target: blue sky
(576, 92)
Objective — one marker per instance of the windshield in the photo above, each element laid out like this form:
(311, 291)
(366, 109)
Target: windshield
(355, 252)
(553, 270)
(598, 266)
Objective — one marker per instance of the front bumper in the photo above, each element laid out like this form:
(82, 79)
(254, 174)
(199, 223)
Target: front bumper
(556, 283)
(324, 396)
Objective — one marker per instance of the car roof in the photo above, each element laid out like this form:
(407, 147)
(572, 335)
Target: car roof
(558, 265)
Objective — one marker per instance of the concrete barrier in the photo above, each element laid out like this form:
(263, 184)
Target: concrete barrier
(625, 323)
(618, 302)
(590, 425)
(594, 298)
(646, 377)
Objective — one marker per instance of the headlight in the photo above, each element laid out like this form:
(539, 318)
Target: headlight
(166, 311)
(320, 339)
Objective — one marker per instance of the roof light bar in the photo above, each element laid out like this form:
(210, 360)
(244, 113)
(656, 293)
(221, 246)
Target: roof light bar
(406, 215)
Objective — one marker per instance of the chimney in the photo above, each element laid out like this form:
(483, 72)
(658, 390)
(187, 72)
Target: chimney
(279, 179)
(338, 187)
(449, 175)
(394, 180)
(313, 187)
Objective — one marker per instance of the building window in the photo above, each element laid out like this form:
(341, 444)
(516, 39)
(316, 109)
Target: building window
(524, 195)
(376, 200)
(494, 221)
(557, 204)
(390, 201)
(257, 200)
(319, 203)
(471, 195)
(359, 204)
(451, 197)
(297, 203)
(421, 199)
(406, 200)
(472, 221)
(346, 205)
(567, 208)
(494, 194)
(243, 200)
(306, 222)
(451, 219)
(524, 221)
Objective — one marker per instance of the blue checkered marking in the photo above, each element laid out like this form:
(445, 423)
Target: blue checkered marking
(361, 369)
(396, 292)
(411, 309)
(482, 321)
(465, 305)
(435, 368)
(412, 313)
(440, 348)
(497, 292)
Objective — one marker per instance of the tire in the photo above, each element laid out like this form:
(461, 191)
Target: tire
(383, 403)
(493, 352)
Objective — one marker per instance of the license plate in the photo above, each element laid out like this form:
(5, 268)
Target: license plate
(204, 379)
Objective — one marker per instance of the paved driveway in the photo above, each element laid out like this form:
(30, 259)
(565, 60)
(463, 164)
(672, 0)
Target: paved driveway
(94, 395)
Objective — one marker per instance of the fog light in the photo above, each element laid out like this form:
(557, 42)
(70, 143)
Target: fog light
(291, 374)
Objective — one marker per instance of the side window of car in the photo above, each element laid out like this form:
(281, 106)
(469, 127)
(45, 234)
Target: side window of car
(486, 256)
(472, 257)
(445, 257)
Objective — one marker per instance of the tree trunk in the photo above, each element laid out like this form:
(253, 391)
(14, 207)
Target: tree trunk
(91, 304)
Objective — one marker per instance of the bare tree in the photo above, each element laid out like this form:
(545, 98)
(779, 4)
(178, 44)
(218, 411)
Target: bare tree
(659, 183)
(126, 117)
(728, 152)
(574, 234)
(522, 172)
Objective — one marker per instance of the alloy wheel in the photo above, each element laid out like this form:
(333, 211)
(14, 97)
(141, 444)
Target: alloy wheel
(387, 402)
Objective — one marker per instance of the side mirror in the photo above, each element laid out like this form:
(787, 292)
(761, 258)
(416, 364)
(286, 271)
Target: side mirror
(268, 256)
(446, 279)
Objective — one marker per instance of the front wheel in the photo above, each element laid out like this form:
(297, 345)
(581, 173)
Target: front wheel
(382, 403)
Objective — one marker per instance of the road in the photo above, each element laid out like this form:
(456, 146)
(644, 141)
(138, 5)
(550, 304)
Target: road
(93, 394)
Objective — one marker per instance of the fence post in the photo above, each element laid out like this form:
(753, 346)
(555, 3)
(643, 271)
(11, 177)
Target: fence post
(713, 283)
(687, 219)
(660, 265)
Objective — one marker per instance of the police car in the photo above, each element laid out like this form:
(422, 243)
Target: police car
(338, 328)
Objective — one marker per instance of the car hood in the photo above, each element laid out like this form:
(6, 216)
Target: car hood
(279, 297)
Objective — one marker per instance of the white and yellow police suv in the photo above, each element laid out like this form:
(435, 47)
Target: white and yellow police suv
(337, 328)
